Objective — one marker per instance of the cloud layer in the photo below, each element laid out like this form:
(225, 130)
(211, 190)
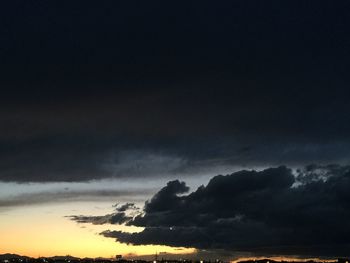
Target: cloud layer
(274, 211)
(87, 87)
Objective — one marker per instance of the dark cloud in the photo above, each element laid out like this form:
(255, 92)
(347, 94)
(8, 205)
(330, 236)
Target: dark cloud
(95, 220)
(241, 83)
(167, 196)
(273, 211)
(116, 218)
(124, 214)
(125, 207)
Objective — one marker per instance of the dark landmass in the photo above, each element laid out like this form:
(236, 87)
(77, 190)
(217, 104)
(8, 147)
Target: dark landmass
(13, 258)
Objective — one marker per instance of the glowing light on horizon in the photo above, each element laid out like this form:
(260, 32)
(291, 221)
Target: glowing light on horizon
(282, 258)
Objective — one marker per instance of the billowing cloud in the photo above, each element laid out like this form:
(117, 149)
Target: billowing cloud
(274, 211)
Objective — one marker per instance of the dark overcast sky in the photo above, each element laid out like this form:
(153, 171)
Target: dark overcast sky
(231, 82)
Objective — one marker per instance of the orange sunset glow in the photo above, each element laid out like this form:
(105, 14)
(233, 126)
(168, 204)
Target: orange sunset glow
(44, 231)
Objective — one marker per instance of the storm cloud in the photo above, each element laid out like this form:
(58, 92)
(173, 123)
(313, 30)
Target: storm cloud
(124, 90)
(272, 211)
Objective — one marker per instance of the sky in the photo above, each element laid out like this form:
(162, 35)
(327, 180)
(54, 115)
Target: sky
(198, 129)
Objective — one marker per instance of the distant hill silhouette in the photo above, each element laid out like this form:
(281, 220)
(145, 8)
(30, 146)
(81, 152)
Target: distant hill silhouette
(12, 256)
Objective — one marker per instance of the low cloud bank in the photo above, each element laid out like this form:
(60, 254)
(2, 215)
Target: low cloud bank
(273, 211)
